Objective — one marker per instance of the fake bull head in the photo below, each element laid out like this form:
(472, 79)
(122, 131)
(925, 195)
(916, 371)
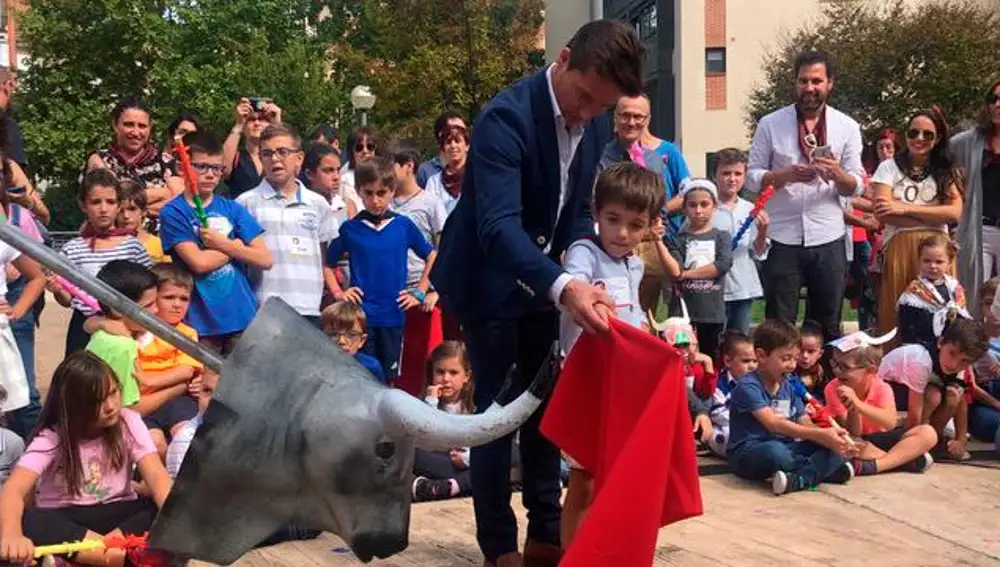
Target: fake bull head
(674, 330)
(297, 432)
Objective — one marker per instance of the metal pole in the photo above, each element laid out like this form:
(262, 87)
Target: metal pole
(596, 9)
(364, 117)
(107, 295)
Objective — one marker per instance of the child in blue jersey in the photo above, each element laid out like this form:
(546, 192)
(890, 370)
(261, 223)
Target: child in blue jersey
(222, 304)
(346, 324)
(770, 434)
(376, 242)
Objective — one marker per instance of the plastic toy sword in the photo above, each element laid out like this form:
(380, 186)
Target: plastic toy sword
(76, 292)
(191, 179)
(762, 200)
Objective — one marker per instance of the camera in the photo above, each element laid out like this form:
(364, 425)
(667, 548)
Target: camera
(257, 103)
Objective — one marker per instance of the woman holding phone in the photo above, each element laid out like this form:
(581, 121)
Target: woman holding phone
(244, 170)
(917, 193)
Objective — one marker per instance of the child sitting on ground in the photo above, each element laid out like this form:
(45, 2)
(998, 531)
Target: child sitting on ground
(864, 405)
(79, 467)
(626, 198)
(938, 380)
(808, 369)
(347, 325)
(132, 218)
(770, 435)
(984, 413)
(443, 475)
(698, 372)
(739, 359)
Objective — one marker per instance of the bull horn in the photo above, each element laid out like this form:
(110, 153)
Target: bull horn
(654, 324)
(435, 430)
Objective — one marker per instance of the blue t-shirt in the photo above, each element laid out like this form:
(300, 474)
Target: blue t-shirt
(749, 396)
(372, 365)
(377, 261)
(222, 301)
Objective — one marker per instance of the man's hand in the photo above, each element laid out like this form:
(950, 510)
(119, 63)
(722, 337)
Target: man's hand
(848, 397)
(406, 301)
(796, 173)
(351, 295)
(829, 169)
(588, 305)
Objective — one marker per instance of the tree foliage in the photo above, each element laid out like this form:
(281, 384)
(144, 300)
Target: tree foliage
(200, 56)
(892, 60)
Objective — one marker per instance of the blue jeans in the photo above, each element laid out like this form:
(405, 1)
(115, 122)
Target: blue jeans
(494, 345)
(22, 421)
(810, 461)
(984, 421)
(739, 314)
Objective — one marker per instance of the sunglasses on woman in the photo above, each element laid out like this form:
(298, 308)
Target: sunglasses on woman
(992, 99)
(365, 147)
(923, 135)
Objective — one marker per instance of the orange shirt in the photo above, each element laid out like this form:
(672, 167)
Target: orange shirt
(157, 355)
(879, 395)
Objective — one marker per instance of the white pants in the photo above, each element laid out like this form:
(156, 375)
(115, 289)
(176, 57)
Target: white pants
(991, 251)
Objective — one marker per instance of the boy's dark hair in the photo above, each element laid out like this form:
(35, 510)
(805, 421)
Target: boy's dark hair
(128, 278)
(630, 185)
(613, 50)
(376, 170)
(967, 335)
(130, 190)
(174, 274)
(203, 142)
(729, 156)
(98, 178)
(732, 339)
(812, 328)
(279, 130)
(341, 316)
(773, 334)
(809, 58)
(404, 152)
(443, 119)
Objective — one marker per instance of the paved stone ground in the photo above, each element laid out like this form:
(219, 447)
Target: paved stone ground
(945, 517)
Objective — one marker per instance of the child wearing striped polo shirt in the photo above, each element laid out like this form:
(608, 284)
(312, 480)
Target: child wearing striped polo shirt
(376, 241)
(298, 225)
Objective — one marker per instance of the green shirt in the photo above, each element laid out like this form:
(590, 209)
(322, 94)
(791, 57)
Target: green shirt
(120, 354)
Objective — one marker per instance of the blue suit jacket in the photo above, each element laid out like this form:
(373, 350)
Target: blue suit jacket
(491, 261)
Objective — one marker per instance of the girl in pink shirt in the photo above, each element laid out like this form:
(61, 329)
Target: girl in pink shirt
(863, 404)
(79, 468)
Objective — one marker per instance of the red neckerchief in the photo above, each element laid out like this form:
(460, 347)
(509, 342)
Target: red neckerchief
(91, 234)
(146, 154)
(452, 181)
(819, 132)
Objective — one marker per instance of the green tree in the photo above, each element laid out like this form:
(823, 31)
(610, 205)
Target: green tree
(892, 60)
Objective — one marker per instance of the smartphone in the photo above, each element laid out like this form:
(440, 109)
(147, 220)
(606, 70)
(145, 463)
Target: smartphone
(17, 190)
(257, 103)
(823, 152)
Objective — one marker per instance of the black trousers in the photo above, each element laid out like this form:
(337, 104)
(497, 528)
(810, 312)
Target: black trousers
(437, 465)
(820, 269)
(493, 346)
(49, 526)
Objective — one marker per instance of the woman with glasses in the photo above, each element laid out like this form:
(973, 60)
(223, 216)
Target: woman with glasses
(977, 154)
(365, 144)
(244, 170)
(917, 194)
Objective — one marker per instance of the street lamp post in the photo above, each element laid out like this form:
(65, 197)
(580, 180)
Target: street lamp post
(362, 100)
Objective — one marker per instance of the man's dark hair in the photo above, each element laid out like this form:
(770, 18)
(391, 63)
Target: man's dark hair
(442, 121)
(968, 336)
(729, 156)
(809, 58)
(773, 334)
(376, 170)
(128, 278)
(405, 151)
(203, 142)
(613, 50)
(632, 186)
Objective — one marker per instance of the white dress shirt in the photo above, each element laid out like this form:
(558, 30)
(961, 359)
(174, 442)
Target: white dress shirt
(569, 139)
(804, 214)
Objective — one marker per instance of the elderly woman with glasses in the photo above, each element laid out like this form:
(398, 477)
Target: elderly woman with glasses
(917, 194)
(977, 155)
(244, 170)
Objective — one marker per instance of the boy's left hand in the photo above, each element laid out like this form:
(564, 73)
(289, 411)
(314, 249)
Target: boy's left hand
(214, 240)
(406, 301)
(847, 396)
(430, 301)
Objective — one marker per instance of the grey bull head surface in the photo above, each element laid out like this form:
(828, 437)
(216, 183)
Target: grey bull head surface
(297, 432)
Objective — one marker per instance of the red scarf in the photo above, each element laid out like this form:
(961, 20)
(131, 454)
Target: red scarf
(148, 153)
(91, 234)
(819, 132)
(452, 181)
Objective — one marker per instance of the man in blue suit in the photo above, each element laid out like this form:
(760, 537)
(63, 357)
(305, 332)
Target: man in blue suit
(525, 197)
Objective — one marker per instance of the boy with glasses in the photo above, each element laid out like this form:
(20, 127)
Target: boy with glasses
(347, 325)
(222, 302)
(298, 225)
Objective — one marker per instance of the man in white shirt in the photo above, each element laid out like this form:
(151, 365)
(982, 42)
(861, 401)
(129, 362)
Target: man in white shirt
(811, 154)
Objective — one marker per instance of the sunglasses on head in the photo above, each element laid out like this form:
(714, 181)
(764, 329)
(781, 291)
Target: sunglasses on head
(924, 135)
(992, 98)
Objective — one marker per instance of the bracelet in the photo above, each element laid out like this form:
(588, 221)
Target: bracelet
(419, 295)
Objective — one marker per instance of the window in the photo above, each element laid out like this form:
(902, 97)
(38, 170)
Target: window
(645, 22)
(715, 61)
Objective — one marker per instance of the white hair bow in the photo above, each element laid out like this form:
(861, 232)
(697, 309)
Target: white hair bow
(859, 339)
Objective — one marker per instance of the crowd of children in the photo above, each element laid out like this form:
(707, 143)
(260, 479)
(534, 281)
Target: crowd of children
(781, 404)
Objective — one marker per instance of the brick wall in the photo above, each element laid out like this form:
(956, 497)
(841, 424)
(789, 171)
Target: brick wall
(715, 37)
